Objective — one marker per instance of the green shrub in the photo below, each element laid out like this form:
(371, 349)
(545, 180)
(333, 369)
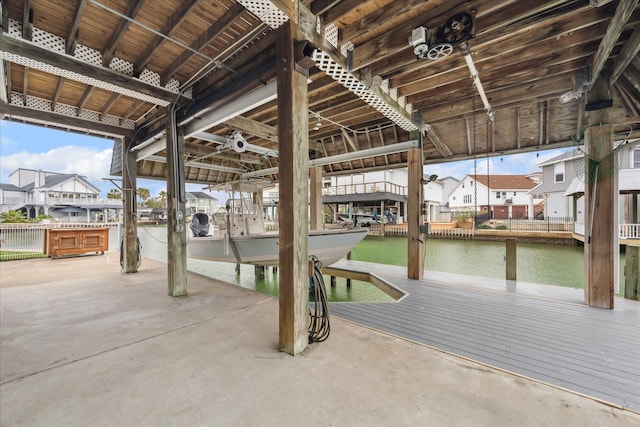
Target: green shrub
(502, 227)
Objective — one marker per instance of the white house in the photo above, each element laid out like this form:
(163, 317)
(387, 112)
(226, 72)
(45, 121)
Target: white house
(198, 201)
(563, 179)
(505, 196)
(65, 197)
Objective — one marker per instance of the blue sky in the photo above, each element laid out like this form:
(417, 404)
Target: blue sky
(37, 147)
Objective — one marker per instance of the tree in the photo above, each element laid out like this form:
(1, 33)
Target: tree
(163, 198)
(143, 194)
(114, 194)
(13, 217)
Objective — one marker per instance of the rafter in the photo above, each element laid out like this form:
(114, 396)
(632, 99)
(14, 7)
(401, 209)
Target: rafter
(72, 37)
(133, 7)
(211, 33)
(185, 8)
(616, 25)
(23, 52)
(55, 119)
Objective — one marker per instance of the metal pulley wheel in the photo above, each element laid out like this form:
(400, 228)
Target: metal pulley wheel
(440, 51)
(457, 29)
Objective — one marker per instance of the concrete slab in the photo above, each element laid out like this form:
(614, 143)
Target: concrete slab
(83, 344)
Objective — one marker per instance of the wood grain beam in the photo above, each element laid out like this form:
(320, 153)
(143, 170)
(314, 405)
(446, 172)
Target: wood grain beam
(133, 7)
(25, 85)
(64, 121)
(624, 58)
(27, 20)
(72, 36)
(253, 127)
(437, 141)
(623, 13)
(184, 9)
(205, 38)
(85, 97)
(110, 103)
(29, 50)
(56, 94)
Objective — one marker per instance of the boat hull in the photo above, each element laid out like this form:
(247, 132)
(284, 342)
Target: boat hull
(328, 245)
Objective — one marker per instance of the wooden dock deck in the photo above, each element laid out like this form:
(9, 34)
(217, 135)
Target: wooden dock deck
(541, 332)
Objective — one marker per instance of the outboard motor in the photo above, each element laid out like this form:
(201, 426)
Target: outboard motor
(199, 224)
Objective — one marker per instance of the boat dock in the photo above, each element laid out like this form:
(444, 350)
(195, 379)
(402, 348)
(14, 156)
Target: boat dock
(84, 344)
(542, 332)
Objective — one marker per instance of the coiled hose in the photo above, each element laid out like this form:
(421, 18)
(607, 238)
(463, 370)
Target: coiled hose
(319, 328)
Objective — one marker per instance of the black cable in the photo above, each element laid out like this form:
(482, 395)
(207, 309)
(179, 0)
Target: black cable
(319, 315)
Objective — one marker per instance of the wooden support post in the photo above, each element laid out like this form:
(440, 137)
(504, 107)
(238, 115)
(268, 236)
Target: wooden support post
(511, 259)
(259, 271)
(293, 148)
(601, 198)
(415, 241)
(176, 230)
(315, 181)
(333, 281)
(130, 257)
(631, 276)
(632, 263)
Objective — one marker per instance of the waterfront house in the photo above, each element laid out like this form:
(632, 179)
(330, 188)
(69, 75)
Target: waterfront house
(65, 197)
(504, 196)
(563, 181)
(198, 201)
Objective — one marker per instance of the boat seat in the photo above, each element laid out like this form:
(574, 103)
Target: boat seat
(199, 224)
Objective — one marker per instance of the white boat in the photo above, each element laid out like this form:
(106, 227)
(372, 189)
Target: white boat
(237, 234)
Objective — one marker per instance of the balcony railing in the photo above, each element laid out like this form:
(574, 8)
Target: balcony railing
(365, 188)
(625, 231)
(52, 201)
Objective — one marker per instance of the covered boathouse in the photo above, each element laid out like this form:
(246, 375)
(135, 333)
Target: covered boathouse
(210, 92)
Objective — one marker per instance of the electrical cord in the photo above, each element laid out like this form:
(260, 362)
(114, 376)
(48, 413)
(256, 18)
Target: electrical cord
(319, 327)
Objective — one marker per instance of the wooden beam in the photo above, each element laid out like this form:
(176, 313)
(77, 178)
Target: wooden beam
(64, 121)
(253, 127)
(211, 33)
(624, 58)
(623, 13)
(443, 148)
(56, 94)
(72, 37)
(315, 195)
(133, 7)
(85, 97)
(176, 229)
(110, 103)
(25, 86)
(65, 62)
(131, 256)
(415, 239)
(184, 9)
(27, 20)
(293, 136)
(601, 202)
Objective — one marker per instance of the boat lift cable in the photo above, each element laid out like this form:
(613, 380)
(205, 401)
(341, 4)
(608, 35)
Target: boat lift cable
(319, 327)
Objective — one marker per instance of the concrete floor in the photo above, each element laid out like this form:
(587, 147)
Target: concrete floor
(84, 345)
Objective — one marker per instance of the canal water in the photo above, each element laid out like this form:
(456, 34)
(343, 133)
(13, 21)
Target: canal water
(536, 263)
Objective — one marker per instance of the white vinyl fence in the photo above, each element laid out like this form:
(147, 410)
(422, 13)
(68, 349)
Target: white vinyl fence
(22, 241)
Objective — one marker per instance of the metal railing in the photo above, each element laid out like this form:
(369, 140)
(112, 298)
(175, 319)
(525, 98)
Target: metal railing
(23, 241)
(364, 188)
